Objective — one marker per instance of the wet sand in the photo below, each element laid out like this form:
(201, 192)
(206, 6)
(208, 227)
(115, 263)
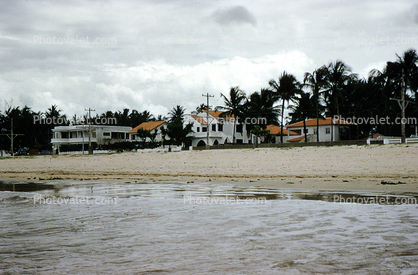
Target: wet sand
(325, 168)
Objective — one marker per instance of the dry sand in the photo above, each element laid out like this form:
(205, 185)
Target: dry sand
(336, 167)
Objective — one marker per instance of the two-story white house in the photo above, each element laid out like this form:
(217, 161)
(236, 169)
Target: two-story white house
(79, 135)
(221, 129)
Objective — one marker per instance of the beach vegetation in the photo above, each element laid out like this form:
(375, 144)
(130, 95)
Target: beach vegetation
(286, 89)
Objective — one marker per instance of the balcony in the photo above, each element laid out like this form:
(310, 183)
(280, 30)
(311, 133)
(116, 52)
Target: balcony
(204, 134)
(72, 140)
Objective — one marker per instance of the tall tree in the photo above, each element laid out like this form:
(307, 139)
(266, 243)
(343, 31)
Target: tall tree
(316, 82)
(404, 73)
(176, 129)
(338, 76)
(304, 109)
(286, 89)
(233, 106)
(261, 105)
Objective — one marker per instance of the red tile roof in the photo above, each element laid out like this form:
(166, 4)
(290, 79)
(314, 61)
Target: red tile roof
(375, 136)
(147, 126)
(215, 114)
(312, 122)
(198, 119)
(218, 114)
(275, 130)
(296, 139)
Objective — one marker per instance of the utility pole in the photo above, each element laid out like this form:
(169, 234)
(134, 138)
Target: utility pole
(82, 144)
(12, 137)
(402, 104)
(90, 110)
(207, 95)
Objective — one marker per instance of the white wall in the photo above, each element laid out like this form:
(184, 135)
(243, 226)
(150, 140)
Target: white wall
(220, 136)
(323, 136)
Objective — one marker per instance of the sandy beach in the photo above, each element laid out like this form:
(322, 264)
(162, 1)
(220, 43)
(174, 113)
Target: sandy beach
(336, 167)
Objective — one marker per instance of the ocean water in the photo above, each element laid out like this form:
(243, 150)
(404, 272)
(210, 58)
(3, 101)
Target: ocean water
(200, 228)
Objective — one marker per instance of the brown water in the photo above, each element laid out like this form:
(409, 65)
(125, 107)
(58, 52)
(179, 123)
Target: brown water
(180, 228)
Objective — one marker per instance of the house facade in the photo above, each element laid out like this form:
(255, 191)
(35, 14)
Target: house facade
(79, 135)
(155, 127)
(328, 130)
(221, 129)
(275, 131)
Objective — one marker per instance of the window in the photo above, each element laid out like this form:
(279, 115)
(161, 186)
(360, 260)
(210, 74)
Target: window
(306, 132)
(198, 129)
(314, 131)
(220, 127)
(327, 130)
(204, 129)
(106, 134)
(64, 134)
(239, 128)
(213, 127)
(239, 141)
(299, 132)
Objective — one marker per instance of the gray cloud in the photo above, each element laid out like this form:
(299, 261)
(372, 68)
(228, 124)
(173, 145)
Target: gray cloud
(170, 52)
(236, 14)
(415, 13)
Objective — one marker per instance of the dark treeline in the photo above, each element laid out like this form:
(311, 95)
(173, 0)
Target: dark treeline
(331, 90)
(35, 128)
(334, 90)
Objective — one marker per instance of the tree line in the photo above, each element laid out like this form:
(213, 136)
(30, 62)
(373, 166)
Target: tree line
(330, 90)
(333, 90)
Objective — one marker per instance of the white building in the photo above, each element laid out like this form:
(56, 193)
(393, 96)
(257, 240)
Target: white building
(152, 126)
(328, 130)
(220, 129)
(275, 131)
(79, 134)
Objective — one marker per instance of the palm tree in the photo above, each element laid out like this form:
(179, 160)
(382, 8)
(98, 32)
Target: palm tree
(316, 81)
(161, 118)
(233, 106)
(409, 62)
(286, 89)
(261, 105)
(337, 77)
(404, 74)
(304, 109)
(175, 129)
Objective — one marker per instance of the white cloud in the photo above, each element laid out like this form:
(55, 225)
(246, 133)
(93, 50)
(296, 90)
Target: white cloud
(170, 52)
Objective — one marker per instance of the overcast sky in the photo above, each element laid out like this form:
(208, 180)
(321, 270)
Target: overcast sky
(153, 55)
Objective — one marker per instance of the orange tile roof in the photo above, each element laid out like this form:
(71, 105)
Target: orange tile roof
(217, 114)
(198, 119)
(297, 139)
(375, 136)
(275, 130)
(147, 126)
(312, 122)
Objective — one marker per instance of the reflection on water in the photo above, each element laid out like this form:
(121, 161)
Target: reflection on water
(20, 186)
(181, 190)
(152, 228)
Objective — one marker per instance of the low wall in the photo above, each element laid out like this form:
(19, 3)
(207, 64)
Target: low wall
(287, 144)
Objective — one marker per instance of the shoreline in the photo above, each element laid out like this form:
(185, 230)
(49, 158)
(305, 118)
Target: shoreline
(319, 168)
